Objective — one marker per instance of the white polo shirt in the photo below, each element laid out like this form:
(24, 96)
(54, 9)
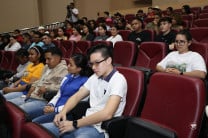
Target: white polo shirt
(100, 91)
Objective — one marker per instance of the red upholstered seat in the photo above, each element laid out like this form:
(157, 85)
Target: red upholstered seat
(200, 23)
(82, 47)
(200, 34)
(124, 53)
(150, 53)
(67, 47)
(124, 34)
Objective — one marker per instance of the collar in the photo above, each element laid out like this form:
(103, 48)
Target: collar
(109, 76)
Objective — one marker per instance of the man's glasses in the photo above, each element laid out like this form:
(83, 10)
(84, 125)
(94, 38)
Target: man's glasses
(180, 42)
(96, 63)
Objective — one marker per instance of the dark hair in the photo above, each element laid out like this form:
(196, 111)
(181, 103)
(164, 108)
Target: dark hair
(103, 26)
(186, 33)
(107, 13)
(54, 51)
(81, 61)
(46, 34)
(38, 33)
(187, 9)
(22, 53)
(140, 20)
(27, 35)
(170, 8)
(165, 19)
(106, 51)
(89, 28)
(39, 50)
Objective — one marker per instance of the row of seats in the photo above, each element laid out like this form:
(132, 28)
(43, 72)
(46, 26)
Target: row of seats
(17, 123)
(172, 106)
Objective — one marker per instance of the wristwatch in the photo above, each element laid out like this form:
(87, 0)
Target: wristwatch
(75, 124)
(181, 73)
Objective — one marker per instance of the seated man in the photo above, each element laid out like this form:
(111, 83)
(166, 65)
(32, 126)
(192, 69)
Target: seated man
(53, 73)
(107, 89)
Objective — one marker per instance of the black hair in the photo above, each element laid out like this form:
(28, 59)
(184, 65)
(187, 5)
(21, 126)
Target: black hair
(54, 51)
(38, 33)
(187, 9)
(89, 28)
(140, 20)
(27, 35)
(106, 51)
(186, 33)
(170, 8)
(107, 13)
(40, 51)
(22, 53)
(165, 19)
(46, 34)
(103, 26)
(81, 61)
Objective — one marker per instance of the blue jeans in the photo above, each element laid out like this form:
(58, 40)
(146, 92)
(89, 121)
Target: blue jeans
(46, 118)
(33, 107)
(82, 132)
(12, 95)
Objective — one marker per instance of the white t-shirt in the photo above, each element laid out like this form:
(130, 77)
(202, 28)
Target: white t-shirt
(186, 62)
(101, 90)
(14, 47)
(114, 39)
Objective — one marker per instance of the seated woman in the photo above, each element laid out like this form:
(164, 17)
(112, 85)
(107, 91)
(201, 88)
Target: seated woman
(76, 34)
(183, 61)
(32, 73)
(102, 33)
(61, 34)
(78, 74)
(114, 35)
(88, 34)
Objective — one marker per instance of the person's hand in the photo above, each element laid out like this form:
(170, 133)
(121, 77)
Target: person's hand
(171, 46)
(172, 70)
(7, 90)
(59, 118)
(65, 126)
(48, 109)
(41, 90)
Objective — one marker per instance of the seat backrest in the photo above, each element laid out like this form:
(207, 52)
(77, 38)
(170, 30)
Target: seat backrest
(67, 47)
(135, 83)
(108, 43)
(203, 15)
(129, 17)
(34, 130)
(199, 34)
(200, 23)
(124, 34)
(124, 53)
(202, 49)
(175, 101)
(150, 53)
(16, 118)
(8, 58)
(82, 47)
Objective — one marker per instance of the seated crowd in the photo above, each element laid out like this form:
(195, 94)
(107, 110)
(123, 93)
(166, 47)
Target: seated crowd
(47, 87)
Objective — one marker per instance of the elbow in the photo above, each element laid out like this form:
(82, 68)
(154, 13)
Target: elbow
(202, 75)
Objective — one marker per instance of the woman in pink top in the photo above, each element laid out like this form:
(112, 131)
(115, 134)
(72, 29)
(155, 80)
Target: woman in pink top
(76, 35)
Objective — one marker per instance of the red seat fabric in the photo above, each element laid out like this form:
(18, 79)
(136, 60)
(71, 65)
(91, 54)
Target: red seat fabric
(34, 130)
(201, 23)
(108, 43)
(82, 47)
(129, 17)
(150, 53)
(200, 34)
(203, 15)
(135, 83)
(16, 118)
(67, 48)
(175, 101)
(124, 53)
(124, 34)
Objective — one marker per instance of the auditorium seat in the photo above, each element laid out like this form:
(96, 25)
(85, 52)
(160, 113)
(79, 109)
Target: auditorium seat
(82, 47)
(16, 118)
(203, 15)
(67, 47)
(199, 34)
(135, 82)
(129, 17)
(174, 107)
(150, 53)
(125, 34)
(34, 130)
(200, 23)
(124, 53)
(108, 43)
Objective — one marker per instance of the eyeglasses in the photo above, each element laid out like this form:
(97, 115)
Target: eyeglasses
(180, 42)
(96, 63)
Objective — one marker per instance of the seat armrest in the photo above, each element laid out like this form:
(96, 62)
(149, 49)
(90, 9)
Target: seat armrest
(141, 128)
(114, 125)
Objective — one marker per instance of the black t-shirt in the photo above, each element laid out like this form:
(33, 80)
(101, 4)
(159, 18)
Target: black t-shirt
(140, 37)
(168, 38)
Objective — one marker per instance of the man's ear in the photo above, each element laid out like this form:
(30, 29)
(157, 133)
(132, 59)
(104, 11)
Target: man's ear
(109, 60)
